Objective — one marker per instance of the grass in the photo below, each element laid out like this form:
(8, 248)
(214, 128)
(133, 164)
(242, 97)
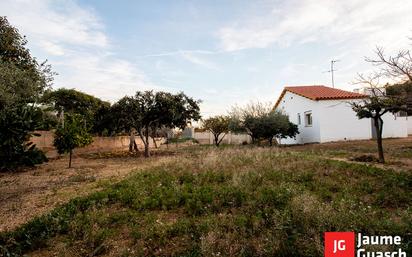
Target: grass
(396, 150)
(241, 201)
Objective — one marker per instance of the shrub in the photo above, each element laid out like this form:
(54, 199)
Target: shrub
(17, 125)
(71, 134)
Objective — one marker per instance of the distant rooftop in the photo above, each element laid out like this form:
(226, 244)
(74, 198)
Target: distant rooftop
(319, 92)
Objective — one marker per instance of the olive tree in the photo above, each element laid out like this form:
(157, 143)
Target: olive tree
(218, 126)
(147, 112)
(261, 122)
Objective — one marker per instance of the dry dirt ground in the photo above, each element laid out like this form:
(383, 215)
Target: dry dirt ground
(32, 192)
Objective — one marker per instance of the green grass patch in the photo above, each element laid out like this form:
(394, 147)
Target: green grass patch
(226, 202)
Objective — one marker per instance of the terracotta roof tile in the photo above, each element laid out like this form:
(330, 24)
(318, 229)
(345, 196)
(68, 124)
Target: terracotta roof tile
(318, 92)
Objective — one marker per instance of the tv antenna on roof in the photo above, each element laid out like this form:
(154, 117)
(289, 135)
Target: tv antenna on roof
(332, 70)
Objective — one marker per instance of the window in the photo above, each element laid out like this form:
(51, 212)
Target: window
(299, 121)
(308, 119)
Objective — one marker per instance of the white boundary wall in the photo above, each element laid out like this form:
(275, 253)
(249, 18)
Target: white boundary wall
(409, 125)
(100, 144)
(229, 138)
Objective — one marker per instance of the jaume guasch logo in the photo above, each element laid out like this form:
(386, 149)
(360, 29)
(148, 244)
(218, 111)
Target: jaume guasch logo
(342, 244)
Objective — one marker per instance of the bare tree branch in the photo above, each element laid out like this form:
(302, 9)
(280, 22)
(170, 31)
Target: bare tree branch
(398, 66)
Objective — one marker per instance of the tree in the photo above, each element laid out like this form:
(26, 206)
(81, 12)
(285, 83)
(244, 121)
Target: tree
(22, 79)
(386, 99)
(147, 112)
(245, 119)
(398, 66)
(218, 126)
(66, 100)
(71, 135)
(104, 123)
(375, 106)
(276, 125)
(261, 122)
(403, 90)
(22, 83)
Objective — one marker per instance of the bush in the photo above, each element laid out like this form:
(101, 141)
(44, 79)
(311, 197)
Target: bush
(71, 135)
(17, 125)
(365, 158)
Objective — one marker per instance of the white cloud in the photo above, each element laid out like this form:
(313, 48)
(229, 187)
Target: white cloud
(191, 57)
(73, 38)
(51, 47)
(299, 21)
(103, 76)
(42, 22)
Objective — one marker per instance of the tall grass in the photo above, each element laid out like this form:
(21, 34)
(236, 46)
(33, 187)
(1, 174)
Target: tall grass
(226, 202)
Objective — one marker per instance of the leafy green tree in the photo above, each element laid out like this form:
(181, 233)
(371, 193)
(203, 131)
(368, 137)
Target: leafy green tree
(104, 123)
(218, 126)
(22, 78)
(66, 100)
(71, 135)
(261, 122)
(403, 90)
(147, 112)
(275, 125)
(22, 83)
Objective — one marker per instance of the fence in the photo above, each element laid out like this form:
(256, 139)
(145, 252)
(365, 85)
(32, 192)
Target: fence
(100, 144)
(229, 138)
(409, 125)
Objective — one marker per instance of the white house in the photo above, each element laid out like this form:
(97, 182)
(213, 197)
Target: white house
(323, 114)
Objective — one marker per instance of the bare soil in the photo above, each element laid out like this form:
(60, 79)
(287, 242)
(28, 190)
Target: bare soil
(32, 192)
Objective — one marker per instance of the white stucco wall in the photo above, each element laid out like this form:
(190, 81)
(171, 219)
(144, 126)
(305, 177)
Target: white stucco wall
(339, 122)
(334, 120)
(292, 104)
(394, 126)
(409, 125)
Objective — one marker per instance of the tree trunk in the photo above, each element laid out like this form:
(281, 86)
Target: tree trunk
(144, 136)
(216, 139)
(133, 146)
(379, 129)
(132, 142)
(154, 142)
(146, 145)
(146, 151)
(70, 158)
(221, 139)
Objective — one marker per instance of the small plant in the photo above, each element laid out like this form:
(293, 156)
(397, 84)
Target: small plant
(71, 134)
(365, 158)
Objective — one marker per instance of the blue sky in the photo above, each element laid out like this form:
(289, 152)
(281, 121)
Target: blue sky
(223, 52)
